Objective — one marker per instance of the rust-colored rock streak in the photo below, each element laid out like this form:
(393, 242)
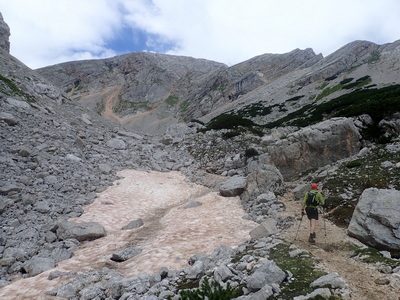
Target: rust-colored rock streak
(170, 235)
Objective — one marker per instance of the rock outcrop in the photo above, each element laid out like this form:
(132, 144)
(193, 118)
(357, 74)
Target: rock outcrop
(315, 146)
(4, 35)
(375, 221)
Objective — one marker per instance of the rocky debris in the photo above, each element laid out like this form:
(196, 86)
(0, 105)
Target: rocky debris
(375, 220)
(257, 276)
(52, 164)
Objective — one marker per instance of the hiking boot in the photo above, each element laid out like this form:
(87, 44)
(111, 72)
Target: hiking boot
(311, 239)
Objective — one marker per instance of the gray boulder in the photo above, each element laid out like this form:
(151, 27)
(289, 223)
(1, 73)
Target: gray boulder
(375, 220)
(37, 265)
(263, 178)
(332, 280)
(116, 144)
(125, 254)
(323, 293)
(315, 146)
(300, 190)
(234, 186)
(222, 273)
(80, 231)
(262, 294)
(266, 273)
(265, 229)
(134, 224)
(8, 118)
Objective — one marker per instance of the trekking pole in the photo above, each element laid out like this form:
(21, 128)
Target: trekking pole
(298, 228)
(323, 216)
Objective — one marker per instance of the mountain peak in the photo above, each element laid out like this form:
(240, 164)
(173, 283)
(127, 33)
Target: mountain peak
(4, 35)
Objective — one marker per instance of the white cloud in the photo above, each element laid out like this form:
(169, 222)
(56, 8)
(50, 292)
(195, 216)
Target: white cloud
(46, 31)
(230, 31)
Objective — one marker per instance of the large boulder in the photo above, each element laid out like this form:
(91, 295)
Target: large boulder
(234, 186)
(265, 273)
(263, 178)
(315, 146)
(375, 220)
(37, 265)
(86, 231)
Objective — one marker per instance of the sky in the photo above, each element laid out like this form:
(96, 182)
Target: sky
(47, 32)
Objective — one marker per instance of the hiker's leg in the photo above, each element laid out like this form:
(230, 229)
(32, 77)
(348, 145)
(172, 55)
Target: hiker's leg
(313, 223)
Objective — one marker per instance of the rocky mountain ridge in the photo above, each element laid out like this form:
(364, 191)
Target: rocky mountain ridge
(56, 155)
(147, 91)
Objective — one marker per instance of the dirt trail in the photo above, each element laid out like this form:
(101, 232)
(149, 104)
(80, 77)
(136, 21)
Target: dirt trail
(110, 102)
(333, 256)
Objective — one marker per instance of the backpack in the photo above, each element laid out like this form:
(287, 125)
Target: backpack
(311, 201)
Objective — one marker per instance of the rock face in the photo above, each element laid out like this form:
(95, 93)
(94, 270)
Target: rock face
(375, 221)
(148, 92)
(315, 146)
(4, 35)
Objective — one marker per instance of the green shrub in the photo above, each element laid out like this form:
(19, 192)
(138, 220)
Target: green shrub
(331, 78)
(226, 121)
(230, 134)
(346, 80)
(251, 152)
(372, 255)
(353, 164)
(303, 270)
(377, 103)
(211, 291)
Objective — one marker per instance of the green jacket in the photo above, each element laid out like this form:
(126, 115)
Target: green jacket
(318, 197)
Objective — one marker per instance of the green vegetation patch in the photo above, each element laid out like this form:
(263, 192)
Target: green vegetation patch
(10, 88)
(250, 152)
(126, 107)
(211, 291)
(172, 101)
(329, 90)
(346, 80)
(227, 121)
(371, 256)
(254, 110)
(358, 83)
(356, 176)
(330, 78)
(302, 267)
(236, 124)
(377, 103)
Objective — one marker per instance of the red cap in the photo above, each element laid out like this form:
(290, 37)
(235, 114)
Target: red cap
(314, 186)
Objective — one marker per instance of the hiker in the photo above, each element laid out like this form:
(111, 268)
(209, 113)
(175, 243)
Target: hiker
(312, 200)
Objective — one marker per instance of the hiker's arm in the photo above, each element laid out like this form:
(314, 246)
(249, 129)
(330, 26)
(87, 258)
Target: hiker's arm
(303, 203)
(321, 199)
